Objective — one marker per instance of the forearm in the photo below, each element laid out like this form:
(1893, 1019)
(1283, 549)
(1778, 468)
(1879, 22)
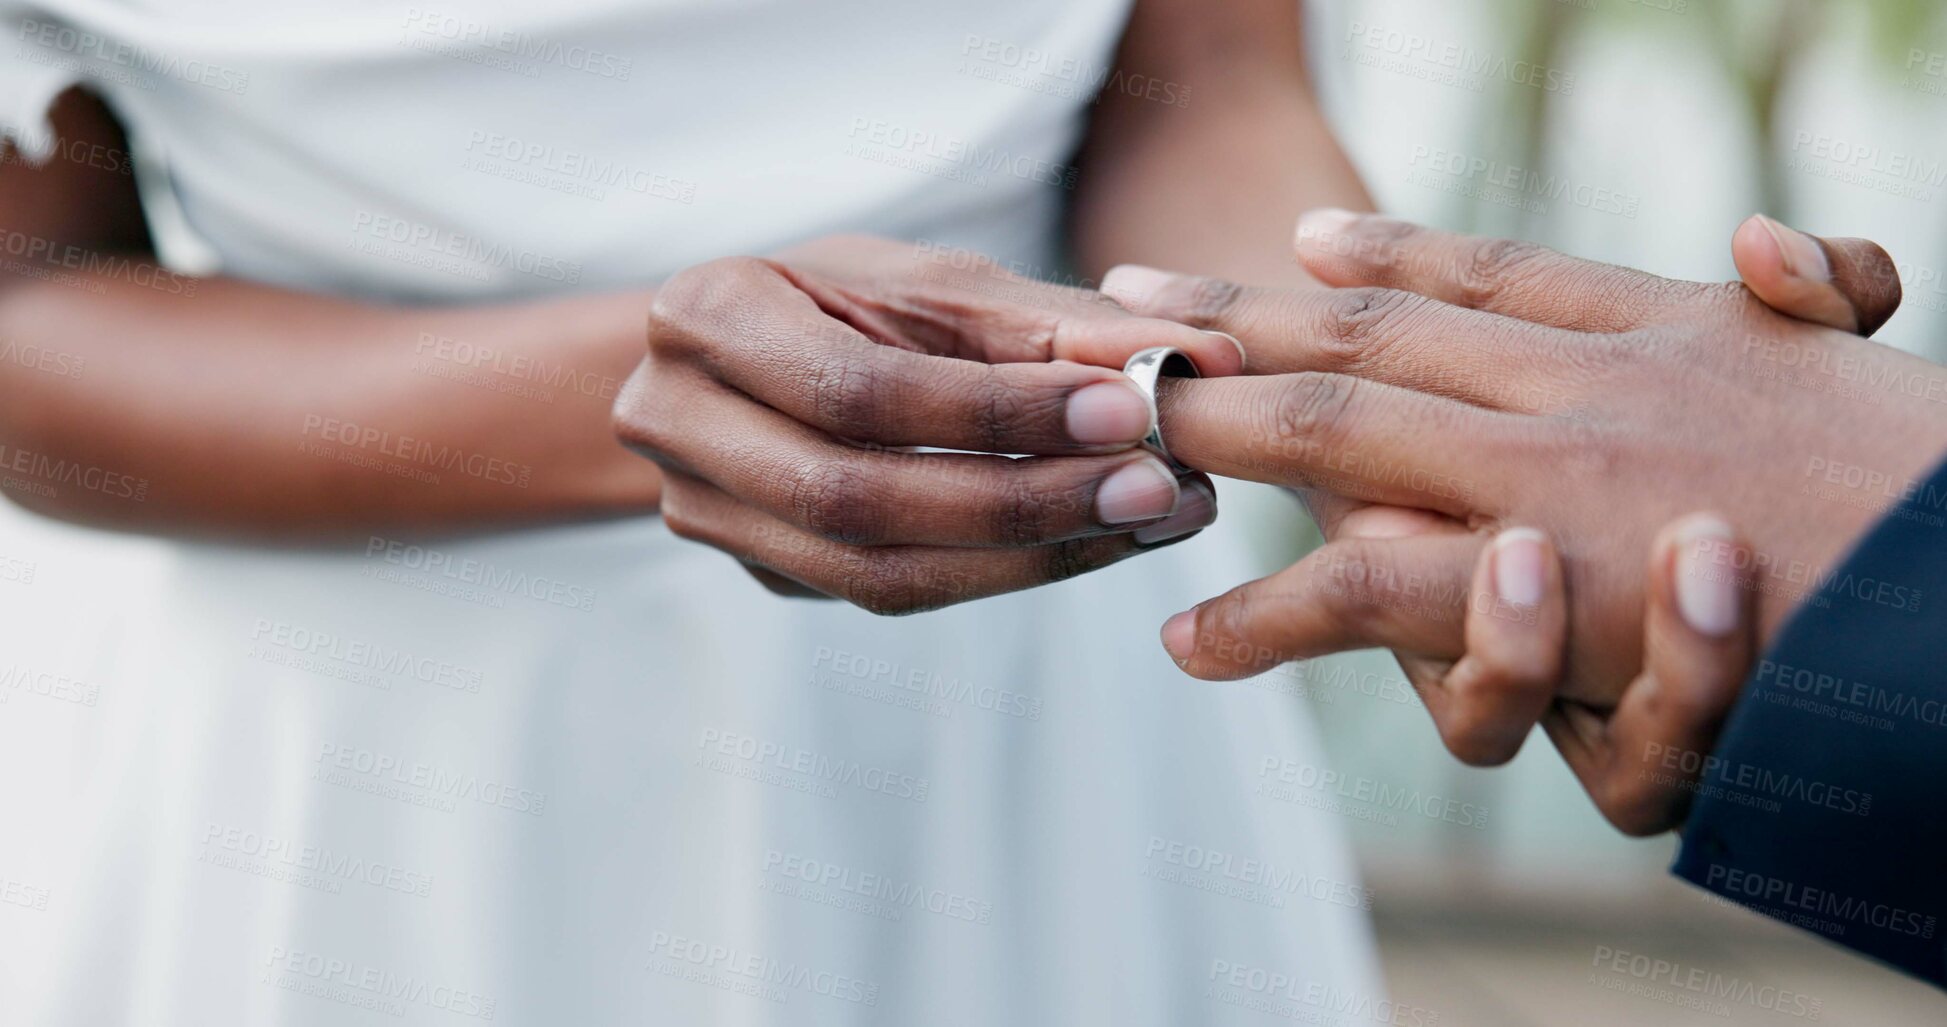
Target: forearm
(246, 411)
(1213, 185)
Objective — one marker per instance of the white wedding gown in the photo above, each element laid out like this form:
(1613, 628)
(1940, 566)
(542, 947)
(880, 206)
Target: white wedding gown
(595, 774)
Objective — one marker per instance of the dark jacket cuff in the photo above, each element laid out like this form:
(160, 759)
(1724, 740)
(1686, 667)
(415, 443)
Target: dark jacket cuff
(1822, 803)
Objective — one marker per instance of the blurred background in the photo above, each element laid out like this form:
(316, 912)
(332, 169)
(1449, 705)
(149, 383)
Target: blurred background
(1668, 122)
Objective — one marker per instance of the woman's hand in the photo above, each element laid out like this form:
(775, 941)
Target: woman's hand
(1622, 397)
(781, 397)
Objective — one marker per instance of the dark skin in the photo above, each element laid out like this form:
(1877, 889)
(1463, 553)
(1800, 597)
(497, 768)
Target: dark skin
(1460, 387)
(230, 400)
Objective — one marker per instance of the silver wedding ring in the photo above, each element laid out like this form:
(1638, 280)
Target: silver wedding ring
(1143, 369)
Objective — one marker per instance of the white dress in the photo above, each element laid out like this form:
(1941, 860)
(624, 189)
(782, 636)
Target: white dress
(595, 774)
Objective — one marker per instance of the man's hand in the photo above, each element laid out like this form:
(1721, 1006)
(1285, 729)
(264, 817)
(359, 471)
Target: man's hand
(781, 397)
(1591, 401)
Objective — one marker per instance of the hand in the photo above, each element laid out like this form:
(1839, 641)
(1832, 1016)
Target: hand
(1578, 386)
(779, 397)
(1641, 761)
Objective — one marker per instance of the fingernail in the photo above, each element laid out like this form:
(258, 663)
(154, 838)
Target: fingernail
(1324, 223)
(1180, 636)
(1243, 359)
(1802, 254)
(1196, 507)
(1706, 580)
(1108, 412)
(1518, 566)
(1134, 286)
(1140, 491)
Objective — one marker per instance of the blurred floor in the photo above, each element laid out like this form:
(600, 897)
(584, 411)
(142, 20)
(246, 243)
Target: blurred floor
(1498, 960)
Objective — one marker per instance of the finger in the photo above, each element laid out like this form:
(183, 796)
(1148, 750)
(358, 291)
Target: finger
(1517, 629)
(904, 579)
(1848, 284)
(868, 496)
(1373, 520)
(1386, 335)
(1407, 594)
(1360, 439)
(747, 323)
(1698, 642)
(1000, 318)
(1518, 279)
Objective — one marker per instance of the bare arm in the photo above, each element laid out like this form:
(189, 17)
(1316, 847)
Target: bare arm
(1207, 144)
(139, 400)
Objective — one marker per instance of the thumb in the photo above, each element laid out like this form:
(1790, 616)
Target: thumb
(1848, 284)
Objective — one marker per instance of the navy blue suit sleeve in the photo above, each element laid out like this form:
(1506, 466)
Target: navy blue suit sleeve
(1824, 804)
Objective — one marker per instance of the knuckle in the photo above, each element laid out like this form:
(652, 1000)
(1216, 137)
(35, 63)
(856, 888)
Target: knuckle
(1228, 618)
(1021, 514)
(679, 515)
(1311, 407)
(637, 418)
(891, 584)
(1349, 580)
(1212, 300)
(835, 500)
(1633, 805)
(847, 394)
(689, 302)
(1731, 297)
(997, 410)
(1233, 631)
(1489, 721)
(881, 589)
(1496, 264)
(1063, 560)
(1360, 321)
